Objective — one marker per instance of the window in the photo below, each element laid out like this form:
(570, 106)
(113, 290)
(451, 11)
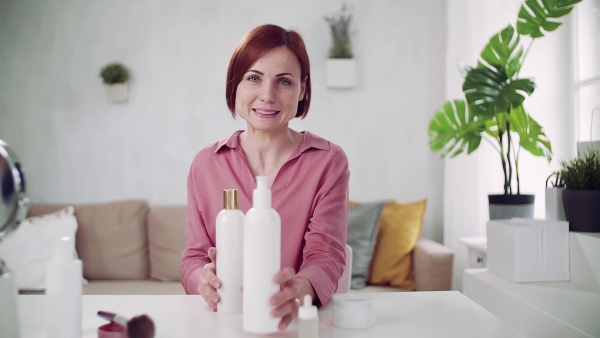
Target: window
(586, 56)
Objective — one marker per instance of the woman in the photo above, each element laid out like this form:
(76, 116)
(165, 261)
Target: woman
(268, 84)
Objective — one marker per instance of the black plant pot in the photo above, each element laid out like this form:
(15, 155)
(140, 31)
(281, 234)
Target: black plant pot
(509, 206)
(582, 209)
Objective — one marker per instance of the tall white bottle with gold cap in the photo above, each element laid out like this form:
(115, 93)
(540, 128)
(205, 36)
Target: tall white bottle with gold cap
(230, 237)
(262, 260)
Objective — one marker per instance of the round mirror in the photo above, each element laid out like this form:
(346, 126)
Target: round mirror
(13, 201)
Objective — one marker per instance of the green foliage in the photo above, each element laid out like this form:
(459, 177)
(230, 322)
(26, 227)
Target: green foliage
(339, 23)
(114, 73)
(535, 17)
(494, 93)
(454, 129)
(582, 173)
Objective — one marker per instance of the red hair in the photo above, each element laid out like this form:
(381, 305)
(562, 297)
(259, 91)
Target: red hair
(257, 43)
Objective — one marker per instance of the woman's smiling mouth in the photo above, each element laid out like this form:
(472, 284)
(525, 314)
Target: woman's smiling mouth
(265, 112)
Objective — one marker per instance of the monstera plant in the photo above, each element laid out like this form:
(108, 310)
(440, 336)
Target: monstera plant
(493, 107)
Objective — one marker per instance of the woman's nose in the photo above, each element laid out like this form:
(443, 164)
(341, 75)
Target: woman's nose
(267, 92)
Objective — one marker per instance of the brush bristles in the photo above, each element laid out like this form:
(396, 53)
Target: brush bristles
(140, 327)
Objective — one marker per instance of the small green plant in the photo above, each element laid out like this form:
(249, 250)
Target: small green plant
(114, 73)
(339, 23)
(582, 173)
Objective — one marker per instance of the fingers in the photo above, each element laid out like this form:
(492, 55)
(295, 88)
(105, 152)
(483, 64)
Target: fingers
(288, 293)
(212, 254)
(210, 295)
(285, 276)
(285, 302)
(289, 307)
(290, 287)
(289, 311)
(285, 321)
(212, 305)
(209, 283)
(212, 279)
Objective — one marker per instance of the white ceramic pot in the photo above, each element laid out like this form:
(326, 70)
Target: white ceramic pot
(341, 73)
(118, 92)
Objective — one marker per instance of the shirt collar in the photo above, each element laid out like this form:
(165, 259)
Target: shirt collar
(231, 141)
(310, 141)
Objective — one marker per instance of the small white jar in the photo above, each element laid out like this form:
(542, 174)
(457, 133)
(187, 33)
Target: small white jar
(353, 311)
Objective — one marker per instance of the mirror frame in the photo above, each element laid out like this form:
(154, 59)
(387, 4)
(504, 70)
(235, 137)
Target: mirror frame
(15, 200)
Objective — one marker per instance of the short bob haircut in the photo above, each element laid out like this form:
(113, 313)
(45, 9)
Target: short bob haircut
(255, 45)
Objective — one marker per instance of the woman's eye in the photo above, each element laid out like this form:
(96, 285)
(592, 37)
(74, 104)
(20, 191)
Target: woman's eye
(285, 82)
(253, 78)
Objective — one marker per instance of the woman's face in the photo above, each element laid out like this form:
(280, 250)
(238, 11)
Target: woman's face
(268, 95)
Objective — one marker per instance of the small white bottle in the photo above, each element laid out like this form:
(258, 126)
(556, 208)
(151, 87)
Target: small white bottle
(262, 260)
(230, 240)
(308, 319)
(63, 292)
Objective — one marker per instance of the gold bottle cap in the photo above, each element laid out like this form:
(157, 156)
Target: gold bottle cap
(230, 199)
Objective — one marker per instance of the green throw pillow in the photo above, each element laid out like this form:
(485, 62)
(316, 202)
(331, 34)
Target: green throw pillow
(363, 220)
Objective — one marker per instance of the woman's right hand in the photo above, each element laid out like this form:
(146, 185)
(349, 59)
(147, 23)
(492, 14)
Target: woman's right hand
(209, 283)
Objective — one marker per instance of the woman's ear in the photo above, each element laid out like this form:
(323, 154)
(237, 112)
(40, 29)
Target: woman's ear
(303, 88)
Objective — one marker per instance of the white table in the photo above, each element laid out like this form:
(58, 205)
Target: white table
(398, 314)
(543, 309)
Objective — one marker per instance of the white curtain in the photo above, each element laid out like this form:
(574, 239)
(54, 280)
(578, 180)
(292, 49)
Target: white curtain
(469, 179)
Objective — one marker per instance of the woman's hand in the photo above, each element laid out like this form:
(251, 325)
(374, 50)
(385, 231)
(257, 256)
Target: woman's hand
(287, 301)
(209, 283)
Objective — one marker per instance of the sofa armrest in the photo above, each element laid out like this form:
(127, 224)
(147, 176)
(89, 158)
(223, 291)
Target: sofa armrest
(432, 266)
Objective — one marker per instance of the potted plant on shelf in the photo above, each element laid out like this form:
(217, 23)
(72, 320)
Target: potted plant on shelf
(493, 107)
(116, 76)
(340, 64)
(581, 197)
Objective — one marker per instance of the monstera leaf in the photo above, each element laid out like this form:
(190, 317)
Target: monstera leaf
(493, 86)
(455, 129)
(493, 92)
(537, 16)
(504, 50)
(531, 136)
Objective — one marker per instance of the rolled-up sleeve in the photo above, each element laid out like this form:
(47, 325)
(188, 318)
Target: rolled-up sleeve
(324, 252)
(197, 241)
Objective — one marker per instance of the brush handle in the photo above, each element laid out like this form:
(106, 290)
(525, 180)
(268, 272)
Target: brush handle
(113, 317)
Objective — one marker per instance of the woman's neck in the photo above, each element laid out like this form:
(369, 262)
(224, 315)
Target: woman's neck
(267, 152)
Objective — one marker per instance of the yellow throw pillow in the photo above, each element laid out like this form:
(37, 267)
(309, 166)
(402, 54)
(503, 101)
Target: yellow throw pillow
(400, 227)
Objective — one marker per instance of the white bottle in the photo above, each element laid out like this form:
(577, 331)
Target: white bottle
(262, 260)
(63, 292)
(9, 311)
(230, 240)
(308, 319)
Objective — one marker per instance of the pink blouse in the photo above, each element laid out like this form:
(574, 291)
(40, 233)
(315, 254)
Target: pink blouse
(310, 193)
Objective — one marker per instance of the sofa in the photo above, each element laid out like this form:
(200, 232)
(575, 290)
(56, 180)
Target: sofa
(130, 247)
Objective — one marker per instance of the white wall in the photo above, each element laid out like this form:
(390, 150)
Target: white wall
(77, 147)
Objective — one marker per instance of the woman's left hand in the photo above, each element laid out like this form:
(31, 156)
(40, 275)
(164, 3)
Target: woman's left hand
(287, 301)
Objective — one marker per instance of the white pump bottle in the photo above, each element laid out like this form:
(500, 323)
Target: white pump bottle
(63, 292)
(262, 260)
(230, 238)
(308, 319)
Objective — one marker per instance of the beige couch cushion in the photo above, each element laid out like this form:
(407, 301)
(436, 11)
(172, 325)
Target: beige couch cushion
(166, 236)
(111, 238)
(133, 287)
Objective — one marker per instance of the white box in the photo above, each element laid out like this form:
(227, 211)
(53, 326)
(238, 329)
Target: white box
(529, 250)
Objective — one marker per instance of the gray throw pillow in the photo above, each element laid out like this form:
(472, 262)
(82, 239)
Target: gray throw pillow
(363, 223)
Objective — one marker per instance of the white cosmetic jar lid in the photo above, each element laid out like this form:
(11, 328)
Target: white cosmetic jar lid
(353, 311)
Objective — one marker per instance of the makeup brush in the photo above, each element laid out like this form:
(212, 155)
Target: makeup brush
(138, 327)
